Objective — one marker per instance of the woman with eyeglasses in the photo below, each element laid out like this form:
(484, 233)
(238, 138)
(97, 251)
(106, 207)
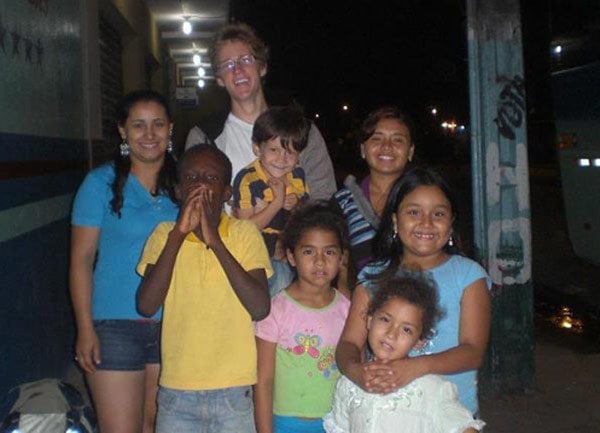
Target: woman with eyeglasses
(386, 145)
(239, 58)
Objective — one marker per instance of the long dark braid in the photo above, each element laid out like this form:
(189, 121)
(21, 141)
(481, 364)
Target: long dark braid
(122, 165)
(167, 176)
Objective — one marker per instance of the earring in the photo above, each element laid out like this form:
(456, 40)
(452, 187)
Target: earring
(170, 146)
(124, 148)
(395, 236)
(450, 241)
(362, 152)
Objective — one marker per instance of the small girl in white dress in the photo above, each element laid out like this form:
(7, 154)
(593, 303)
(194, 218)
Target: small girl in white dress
(401, 317)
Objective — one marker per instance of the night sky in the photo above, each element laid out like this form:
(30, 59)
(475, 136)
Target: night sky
(328, 53)
(411, 53)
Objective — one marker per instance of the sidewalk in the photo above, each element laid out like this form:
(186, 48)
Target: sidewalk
(566, 399)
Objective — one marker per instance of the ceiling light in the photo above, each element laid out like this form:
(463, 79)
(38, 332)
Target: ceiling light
(187, 26)
(197, 59)
(201, 72)
(201, 83)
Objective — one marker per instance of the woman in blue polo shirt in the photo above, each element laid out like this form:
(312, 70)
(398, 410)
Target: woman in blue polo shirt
(115, 210)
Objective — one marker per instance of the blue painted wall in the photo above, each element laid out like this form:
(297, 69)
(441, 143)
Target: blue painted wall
(42, 161)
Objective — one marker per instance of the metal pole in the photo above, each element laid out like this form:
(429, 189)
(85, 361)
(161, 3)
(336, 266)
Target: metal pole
(501, 205)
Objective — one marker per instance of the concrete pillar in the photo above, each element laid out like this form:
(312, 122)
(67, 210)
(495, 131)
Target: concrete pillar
(501, 188)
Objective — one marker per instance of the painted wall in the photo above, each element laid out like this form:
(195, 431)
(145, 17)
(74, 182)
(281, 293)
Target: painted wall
(42, 161)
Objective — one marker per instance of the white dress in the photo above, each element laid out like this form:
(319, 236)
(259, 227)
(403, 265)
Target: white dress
(428, 404)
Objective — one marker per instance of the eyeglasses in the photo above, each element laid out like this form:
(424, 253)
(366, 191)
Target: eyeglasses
(242, 62)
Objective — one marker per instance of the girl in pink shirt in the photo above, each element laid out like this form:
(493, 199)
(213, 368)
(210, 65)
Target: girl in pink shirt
(296, 342)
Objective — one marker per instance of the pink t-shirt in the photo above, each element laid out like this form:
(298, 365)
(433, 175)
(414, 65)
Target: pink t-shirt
(305, 369)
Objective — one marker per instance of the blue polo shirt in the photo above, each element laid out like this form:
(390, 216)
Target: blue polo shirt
(121, 241)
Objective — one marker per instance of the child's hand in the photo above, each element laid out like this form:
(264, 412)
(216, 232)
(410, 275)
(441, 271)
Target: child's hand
(209, 218)
(369, 375)
(290, 201)
(378, 377)
(392, 375)
(260, 205)
(278, 188)
(189, 217)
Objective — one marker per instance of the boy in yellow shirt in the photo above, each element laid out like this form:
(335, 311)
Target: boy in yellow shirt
(210, 272)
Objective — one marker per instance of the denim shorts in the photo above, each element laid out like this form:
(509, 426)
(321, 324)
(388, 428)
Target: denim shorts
(292, 424)
(227, 410)
(128, 345)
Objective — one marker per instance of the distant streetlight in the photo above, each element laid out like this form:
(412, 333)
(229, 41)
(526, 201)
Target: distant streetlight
(434, 111)
(345, 107)
(557, 49)
(316, 115)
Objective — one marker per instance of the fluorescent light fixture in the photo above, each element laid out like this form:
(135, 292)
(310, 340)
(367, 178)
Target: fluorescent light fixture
(583, 162)
(596, 162)
(187, 26)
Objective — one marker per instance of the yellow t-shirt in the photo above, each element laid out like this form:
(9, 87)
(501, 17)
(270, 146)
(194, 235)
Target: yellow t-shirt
(207, 337)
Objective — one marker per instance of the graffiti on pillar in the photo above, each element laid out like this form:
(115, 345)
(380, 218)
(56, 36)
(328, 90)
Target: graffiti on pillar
(3, 38)
(509, 233)
(19, 46)
(511, 106)
(40, 5)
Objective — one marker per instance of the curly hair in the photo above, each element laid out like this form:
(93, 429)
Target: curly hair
(241, 32)
(416, 289)
(165, 184)
(318, 214)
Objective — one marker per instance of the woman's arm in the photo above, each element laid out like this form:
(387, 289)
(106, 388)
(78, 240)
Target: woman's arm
(84, 244)
(475, 312)
(263, 391)
(352, 342)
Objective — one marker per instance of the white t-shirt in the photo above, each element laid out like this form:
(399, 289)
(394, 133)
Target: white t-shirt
(236, 142)
(195, 136)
